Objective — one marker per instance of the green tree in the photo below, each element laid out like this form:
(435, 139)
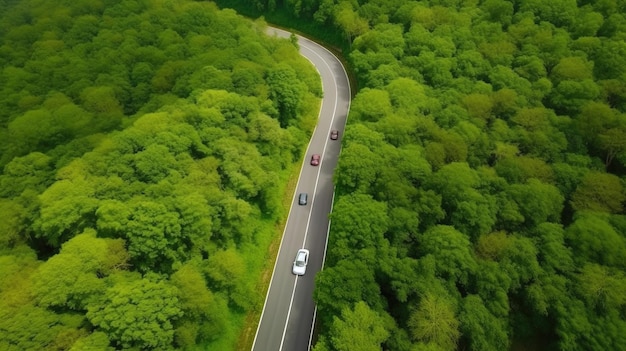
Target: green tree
(371, 105)
(492, 246)
(429, 208)
(598, 191)
(437, 71)
(553, 253)
(34, 131)
(71, 279)
(520, 261)
(384, 37)
(471, 64)
(567, 176)
(453, 180)
(454, 260)
(609, 59)
(94, 341)
(17, 267)
(154, 164)
(196, 220)
(224, 271)
(200, 307)
(519, 169)
(572, 68)
(12, 223)
(481, 329)
(409, 95)
(613, 143)
(349, 21)
(538, 202)
(35, 328)
(492, 284)
(588, 22)
(242, 168)
(593, 239)
(67, 207)
(594, 119)
(602, 288)
(435, 321)
(474, 213)
(547, 144)
(101, 100)
(499, 11)
(358, 169)
(359, 328)
(359, 223)
(137, 313)
(530, 67)
(478, 105)
(569, 96)
(343, 285)
(467, 208)
(153, 233)
(286, 90)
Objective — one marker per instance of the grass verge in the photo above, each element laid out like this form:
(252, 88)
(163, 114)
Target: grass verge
(248, 332)
(271, 240)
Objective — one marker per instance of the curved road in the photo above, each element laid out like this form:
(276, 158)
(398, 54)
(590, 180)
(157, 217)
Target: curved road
(289, 312)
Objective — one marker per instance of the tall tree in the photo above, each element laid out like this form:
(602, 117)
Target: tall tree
(481, 329)
(359, 328)
(598, 191)
(359, 223)
(452, 253)
(138, 313)
(593, 239)
(435, 321)
(286, 90)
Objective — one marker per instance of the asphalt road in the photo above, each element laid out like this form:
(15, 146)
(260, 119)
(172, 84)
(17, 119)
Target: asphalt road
(289, 312)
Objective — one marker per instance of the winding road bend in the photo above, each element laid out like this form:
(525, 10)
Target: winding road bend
(289, 312)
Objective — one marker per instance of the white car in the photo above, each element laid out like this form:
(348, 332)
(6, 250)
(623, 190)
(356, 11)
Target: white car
(302, 259)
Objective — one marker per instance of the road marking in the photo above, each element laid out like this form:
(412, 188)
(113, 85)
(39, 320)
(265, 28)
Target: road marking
(319, 170)
(282, 239)
(304, 163)
(323, 262)
(334, 112)
(293, 293)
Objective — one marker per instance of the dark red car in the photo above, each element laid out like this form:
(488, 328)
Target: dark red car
(315, 160)
(334, 134)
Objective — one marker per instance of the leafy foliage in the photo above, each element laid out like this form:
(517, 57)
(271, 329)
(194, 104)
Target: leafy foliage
(146, 147)
(481, 172)
(139, 313)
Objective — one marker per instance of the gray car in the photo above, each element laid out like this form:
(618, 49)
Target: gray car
(302, 199)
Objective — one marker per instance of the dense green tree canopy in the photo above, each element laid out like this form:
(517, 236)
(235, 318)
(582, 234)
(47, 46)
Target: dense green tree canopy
(360, 329)
(146, 147)
(488, 137)
(137, 314)
(480, 180)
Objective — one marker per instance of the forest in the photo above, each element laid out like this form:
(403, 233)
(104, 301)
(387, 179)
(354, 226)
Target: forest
(480, 191)
(146, 148)
(480, 188)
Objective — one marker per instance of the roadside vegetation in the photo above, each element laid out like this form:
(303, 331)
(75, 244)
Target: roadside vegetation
(480, 189)
(146, 147)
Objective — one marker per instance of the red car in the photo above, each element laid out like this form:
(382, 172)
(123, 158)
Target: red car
(334, 134)
(315, 160)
